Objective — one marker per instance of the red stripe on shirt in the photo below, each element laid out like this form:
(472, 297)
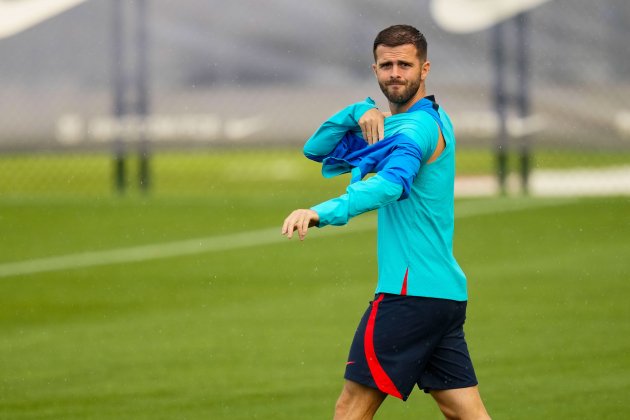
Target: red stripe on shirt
(383, 382)
(403, 290)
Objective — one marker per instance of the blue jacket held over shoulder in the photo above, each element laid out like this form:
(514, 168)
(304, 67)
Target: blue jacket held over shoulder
(415, 199)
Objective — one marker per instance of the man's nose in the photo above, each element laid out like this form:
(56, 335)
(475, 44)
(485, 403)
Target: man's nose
(395, 74)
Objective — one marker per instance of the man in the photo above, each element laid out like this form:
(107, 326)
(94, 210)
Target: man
(412, 333)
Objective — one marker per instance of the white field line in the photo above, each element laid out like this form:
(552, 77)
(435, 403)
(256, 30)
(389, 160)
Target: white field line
(614, 180)
(234, 241)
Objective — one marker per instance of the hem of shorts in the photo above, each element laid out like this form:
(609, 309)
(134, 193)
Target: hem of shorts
(373, 386)
(427, 390)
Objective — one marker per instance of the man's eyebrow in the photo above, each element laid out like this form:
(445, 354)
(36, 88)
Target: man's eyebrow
(387, 62)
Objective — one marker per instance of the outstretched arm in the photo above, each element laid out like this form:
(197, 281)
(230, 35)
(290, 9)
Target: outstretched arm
(387, 186)
(359, 198)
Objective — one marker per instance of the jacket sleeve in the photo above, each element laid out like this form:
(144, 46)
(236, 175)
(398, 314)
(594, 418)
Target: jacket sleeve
(388, 185)
(334, 129)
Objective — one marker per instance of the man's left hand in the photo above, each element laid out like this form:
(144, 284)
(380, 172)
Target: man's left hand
(372, 124)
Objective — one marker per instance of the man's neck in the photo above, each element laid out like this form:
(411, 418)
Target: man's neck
(400, 108)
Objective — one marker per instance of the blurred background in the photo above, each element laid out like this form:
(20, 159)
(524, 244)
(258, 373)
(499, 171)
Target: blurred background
(117, 95)
(150, 149)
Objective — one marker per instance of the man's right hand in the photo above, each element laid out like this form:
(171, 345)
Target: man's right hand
(300, 220)
(372, 125)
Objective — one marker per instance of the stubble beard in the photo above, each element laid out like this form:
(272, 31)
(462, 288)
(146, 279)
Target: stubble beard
(404, 95)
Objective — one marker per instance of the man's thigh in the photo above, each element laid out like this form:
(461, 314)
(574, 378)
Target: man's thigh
(358, 401)
(461, 403)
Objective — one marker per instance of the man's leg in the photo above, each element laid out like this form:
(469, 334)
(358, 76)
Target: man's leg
(461, 403)
(358, 402)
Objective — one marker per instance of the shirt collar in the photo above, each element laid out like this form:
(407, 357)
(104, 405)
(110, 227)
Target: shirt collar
(428, 102)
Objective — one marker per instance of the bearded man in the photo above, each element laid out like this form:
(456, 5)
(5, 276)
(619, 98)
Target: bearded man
(412, 332)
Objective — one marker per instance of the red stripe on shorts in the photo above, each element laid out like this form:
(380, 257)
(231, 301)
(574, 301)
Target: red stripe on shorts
(383, 382)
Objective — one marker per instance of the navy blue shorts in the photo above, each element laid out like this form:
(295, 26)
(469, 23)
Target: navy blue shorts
(402, 341)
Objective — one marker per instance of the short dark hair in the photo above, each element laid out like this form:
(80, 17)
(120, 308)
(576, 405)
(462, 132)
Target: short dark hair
(397, 35)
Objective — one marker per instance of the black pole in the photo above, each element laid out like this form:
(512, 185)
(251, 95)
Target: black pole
(523, 96)
(118, 87)
(500, 105)
(142, 82)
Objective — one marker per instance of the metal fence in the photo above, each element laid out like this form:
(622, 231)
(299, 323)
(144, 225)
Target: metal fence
(93, 95)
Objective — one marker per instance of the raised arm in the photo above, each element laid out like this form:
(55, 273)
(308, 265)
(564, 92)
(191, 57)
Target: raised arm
(362, 115)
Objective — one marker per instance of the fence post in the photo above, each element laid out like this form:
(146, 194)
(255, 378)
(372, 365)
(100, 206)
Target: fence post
(498, 54)
(118, 93)
(523, 96)
(142, 105)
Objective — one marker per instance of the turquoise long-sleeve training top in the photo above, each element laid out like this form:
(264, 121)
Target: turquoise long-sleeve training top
(414, 198)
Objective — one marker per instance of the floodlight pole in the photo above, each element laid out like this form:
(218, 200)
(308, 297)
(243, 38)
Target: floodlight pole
(130, 89)
(523, 96)
(500, 102)
(503, 100)
(119, 88)
(142, 106)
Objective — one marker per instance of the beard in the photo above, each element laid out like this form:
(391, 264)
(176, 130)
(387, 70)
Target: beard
(402, 95)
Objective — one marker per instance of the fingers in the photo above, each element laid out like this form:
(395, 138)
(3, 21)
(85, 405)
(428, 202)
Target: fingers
(370, 134)
(364, 132)
(285, 227)
(372, 125)
(299, 220)
(289, 225)
(294, 222)
(381, 128)
(303, 228)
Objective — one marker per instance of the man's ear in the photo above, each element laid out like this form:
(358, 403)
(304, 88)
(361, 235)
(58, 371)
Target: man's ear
(426, 68)
(374, 68)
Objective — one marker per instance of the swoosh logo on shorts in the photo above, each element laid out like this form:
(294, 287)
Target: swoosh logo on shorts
(352, 362)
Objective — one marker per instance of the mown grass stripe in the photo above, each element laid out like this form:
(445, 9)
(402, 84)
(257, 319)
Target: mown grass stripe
(239, 240)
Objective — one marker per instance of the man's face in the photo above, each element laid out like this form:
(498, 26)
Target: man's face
(399, 72)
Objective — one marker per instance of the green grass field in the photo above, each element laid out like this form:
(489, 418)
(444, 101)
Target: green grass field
(197, 173)
(261, 330)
